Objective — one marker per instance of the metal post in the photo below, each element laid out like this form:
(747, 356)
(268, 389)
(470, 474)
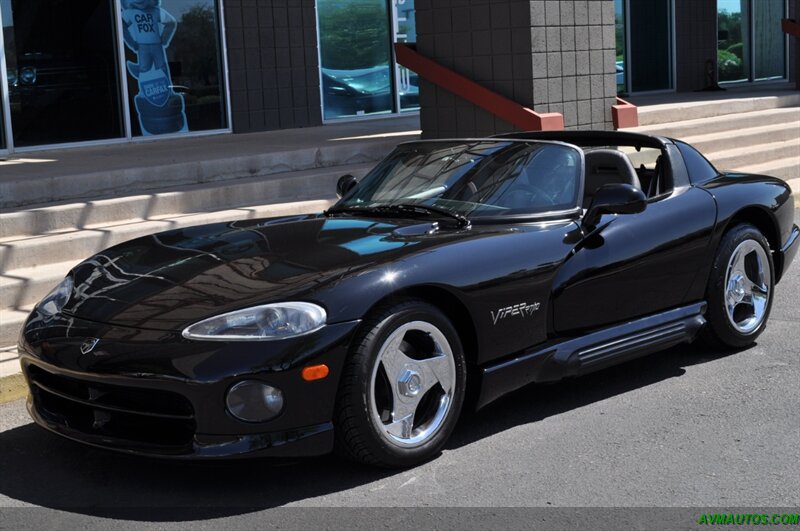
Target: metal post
(4, 94)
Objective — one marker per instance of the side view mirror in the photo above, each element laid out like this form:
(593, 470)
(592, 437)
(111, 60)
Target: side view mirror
(345, 184)
(614, 199)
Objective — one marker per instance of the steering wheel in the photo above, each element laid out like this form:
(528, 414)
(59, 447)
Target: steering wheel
(525, 195)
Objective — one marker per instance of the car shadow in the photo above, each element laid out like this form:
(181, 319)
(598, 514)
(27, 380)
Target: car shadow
(43, 469)
(537, 402)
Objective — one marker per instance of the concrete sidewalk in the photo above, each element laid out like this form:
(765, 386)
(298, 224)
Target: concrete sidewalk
(46, 177)
(748, 97)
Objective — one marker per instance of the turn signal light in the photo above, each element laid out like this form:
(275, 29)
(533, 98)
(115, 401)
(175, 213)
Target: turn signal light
(315, 372)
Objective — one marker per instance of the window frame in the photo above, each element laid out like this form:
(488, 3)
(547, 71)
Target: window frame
(751, 31)
(122, 87)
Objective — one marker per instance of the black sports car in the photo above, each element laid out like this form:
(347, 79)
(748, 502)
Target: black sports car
(455, 268)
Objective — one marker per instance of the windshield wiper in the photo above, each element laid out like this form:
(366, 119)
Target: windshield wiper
(404, 208)
(463, 221)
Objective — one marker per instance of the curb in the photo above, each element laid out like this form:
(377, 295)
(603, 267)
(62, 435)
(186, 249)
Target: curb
(12, 387)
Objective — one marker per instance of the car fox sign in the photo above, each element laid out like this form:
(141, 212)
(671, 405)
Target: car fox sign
(148, 30)
(154, 86)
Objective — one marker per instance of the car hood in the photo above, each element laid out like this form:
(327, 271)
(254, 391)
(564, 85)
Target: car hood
(169, 280)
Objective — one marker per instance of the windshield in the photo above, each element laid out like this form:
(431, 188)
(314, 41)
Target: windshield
(476, 178)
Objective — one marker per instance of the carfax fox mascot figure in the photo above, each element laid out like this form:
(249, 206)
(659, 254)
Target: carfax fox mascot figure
(147, 30)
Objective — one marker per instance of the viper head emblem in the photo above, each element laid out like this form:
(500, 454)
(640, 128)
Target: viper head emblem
(88, 345)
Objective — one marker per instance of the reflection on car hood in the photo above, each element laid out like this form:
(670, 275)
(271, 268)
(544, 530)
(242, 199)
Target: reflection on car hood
(169, 280)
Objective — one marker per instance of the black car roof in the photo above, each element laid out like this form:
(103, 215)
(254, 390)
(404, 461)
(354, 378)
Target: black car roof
(593, 138)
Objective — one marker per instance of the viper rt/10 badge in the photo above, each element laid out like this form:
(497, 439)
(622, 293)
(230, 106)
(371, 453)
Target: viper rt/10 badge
(522, 309)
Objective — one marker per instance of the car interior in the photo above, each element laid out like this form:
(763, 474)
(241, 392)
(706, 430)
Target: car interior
(615, 158)
(609, 165)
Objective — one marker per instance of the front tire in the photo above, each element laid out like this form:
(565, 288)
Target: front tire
(740, 287)
(402, 387)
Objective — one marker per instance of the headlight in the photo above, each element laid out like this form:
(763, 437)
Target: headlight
(260, 323)
(56, 299)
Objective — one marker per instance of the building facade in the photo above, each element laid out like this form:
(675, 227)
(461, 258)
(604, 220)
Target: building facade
(102, 71)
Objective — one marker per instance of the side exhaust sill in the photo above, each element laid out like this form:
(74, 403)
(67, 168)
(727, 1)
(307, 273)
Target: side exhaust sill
(592, 352)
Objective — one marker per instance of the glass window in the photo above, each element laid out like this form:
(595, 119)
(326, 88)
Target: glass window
(770, 41)
(619, 29)
(61, 59)
(479, 178)
(751, 45)
(173, 66)
(356, 57)
(733, 45)
(650, 55)
(3, 142)
(406, 32)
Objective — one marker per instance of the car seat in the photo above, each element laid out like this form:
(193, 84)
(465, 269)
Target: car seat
(607, 166)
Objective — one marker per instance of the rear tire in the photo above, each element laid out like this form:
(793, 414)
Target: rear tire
(740, 289)
(402, 387)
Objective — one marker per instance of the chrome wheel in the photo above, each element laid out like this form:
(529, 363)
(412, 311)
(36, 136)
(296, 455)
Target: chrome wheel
(747, 285)
(412, 384)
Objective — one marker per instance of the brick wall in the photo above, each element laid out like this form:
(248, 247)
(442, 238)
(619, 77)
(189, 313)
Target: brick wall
(576, 41)
(273, 63)
(553, 56)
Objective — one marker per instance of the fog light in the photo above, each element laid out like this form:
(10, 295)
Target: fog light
(253, 401)
(27, 75)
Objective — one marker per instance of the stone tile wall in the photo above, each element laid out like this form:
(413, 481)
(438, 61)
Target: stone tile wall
(273, 63)
(550, 55)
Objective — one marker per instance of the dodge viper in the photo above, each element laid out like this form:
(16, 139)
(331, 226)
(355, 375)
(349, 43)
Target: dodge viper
(456, 271)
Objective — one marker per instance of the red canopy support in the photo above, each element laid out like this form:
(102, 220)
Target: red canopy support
(624, 114)
(792, 27)
(500, 106)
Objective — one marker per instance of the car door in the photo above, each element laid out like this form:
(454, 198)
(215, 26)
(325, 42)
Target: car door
(635, 264)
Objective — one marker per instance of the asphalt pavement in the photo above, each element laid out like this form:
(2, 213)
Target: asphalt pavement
(686, 427)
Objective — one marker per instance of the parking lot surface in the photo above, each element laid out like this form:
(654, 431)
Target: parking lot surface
(687, 427)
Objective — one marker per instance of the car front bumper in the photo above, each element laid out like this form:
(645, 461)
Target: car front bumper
(155, 393)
